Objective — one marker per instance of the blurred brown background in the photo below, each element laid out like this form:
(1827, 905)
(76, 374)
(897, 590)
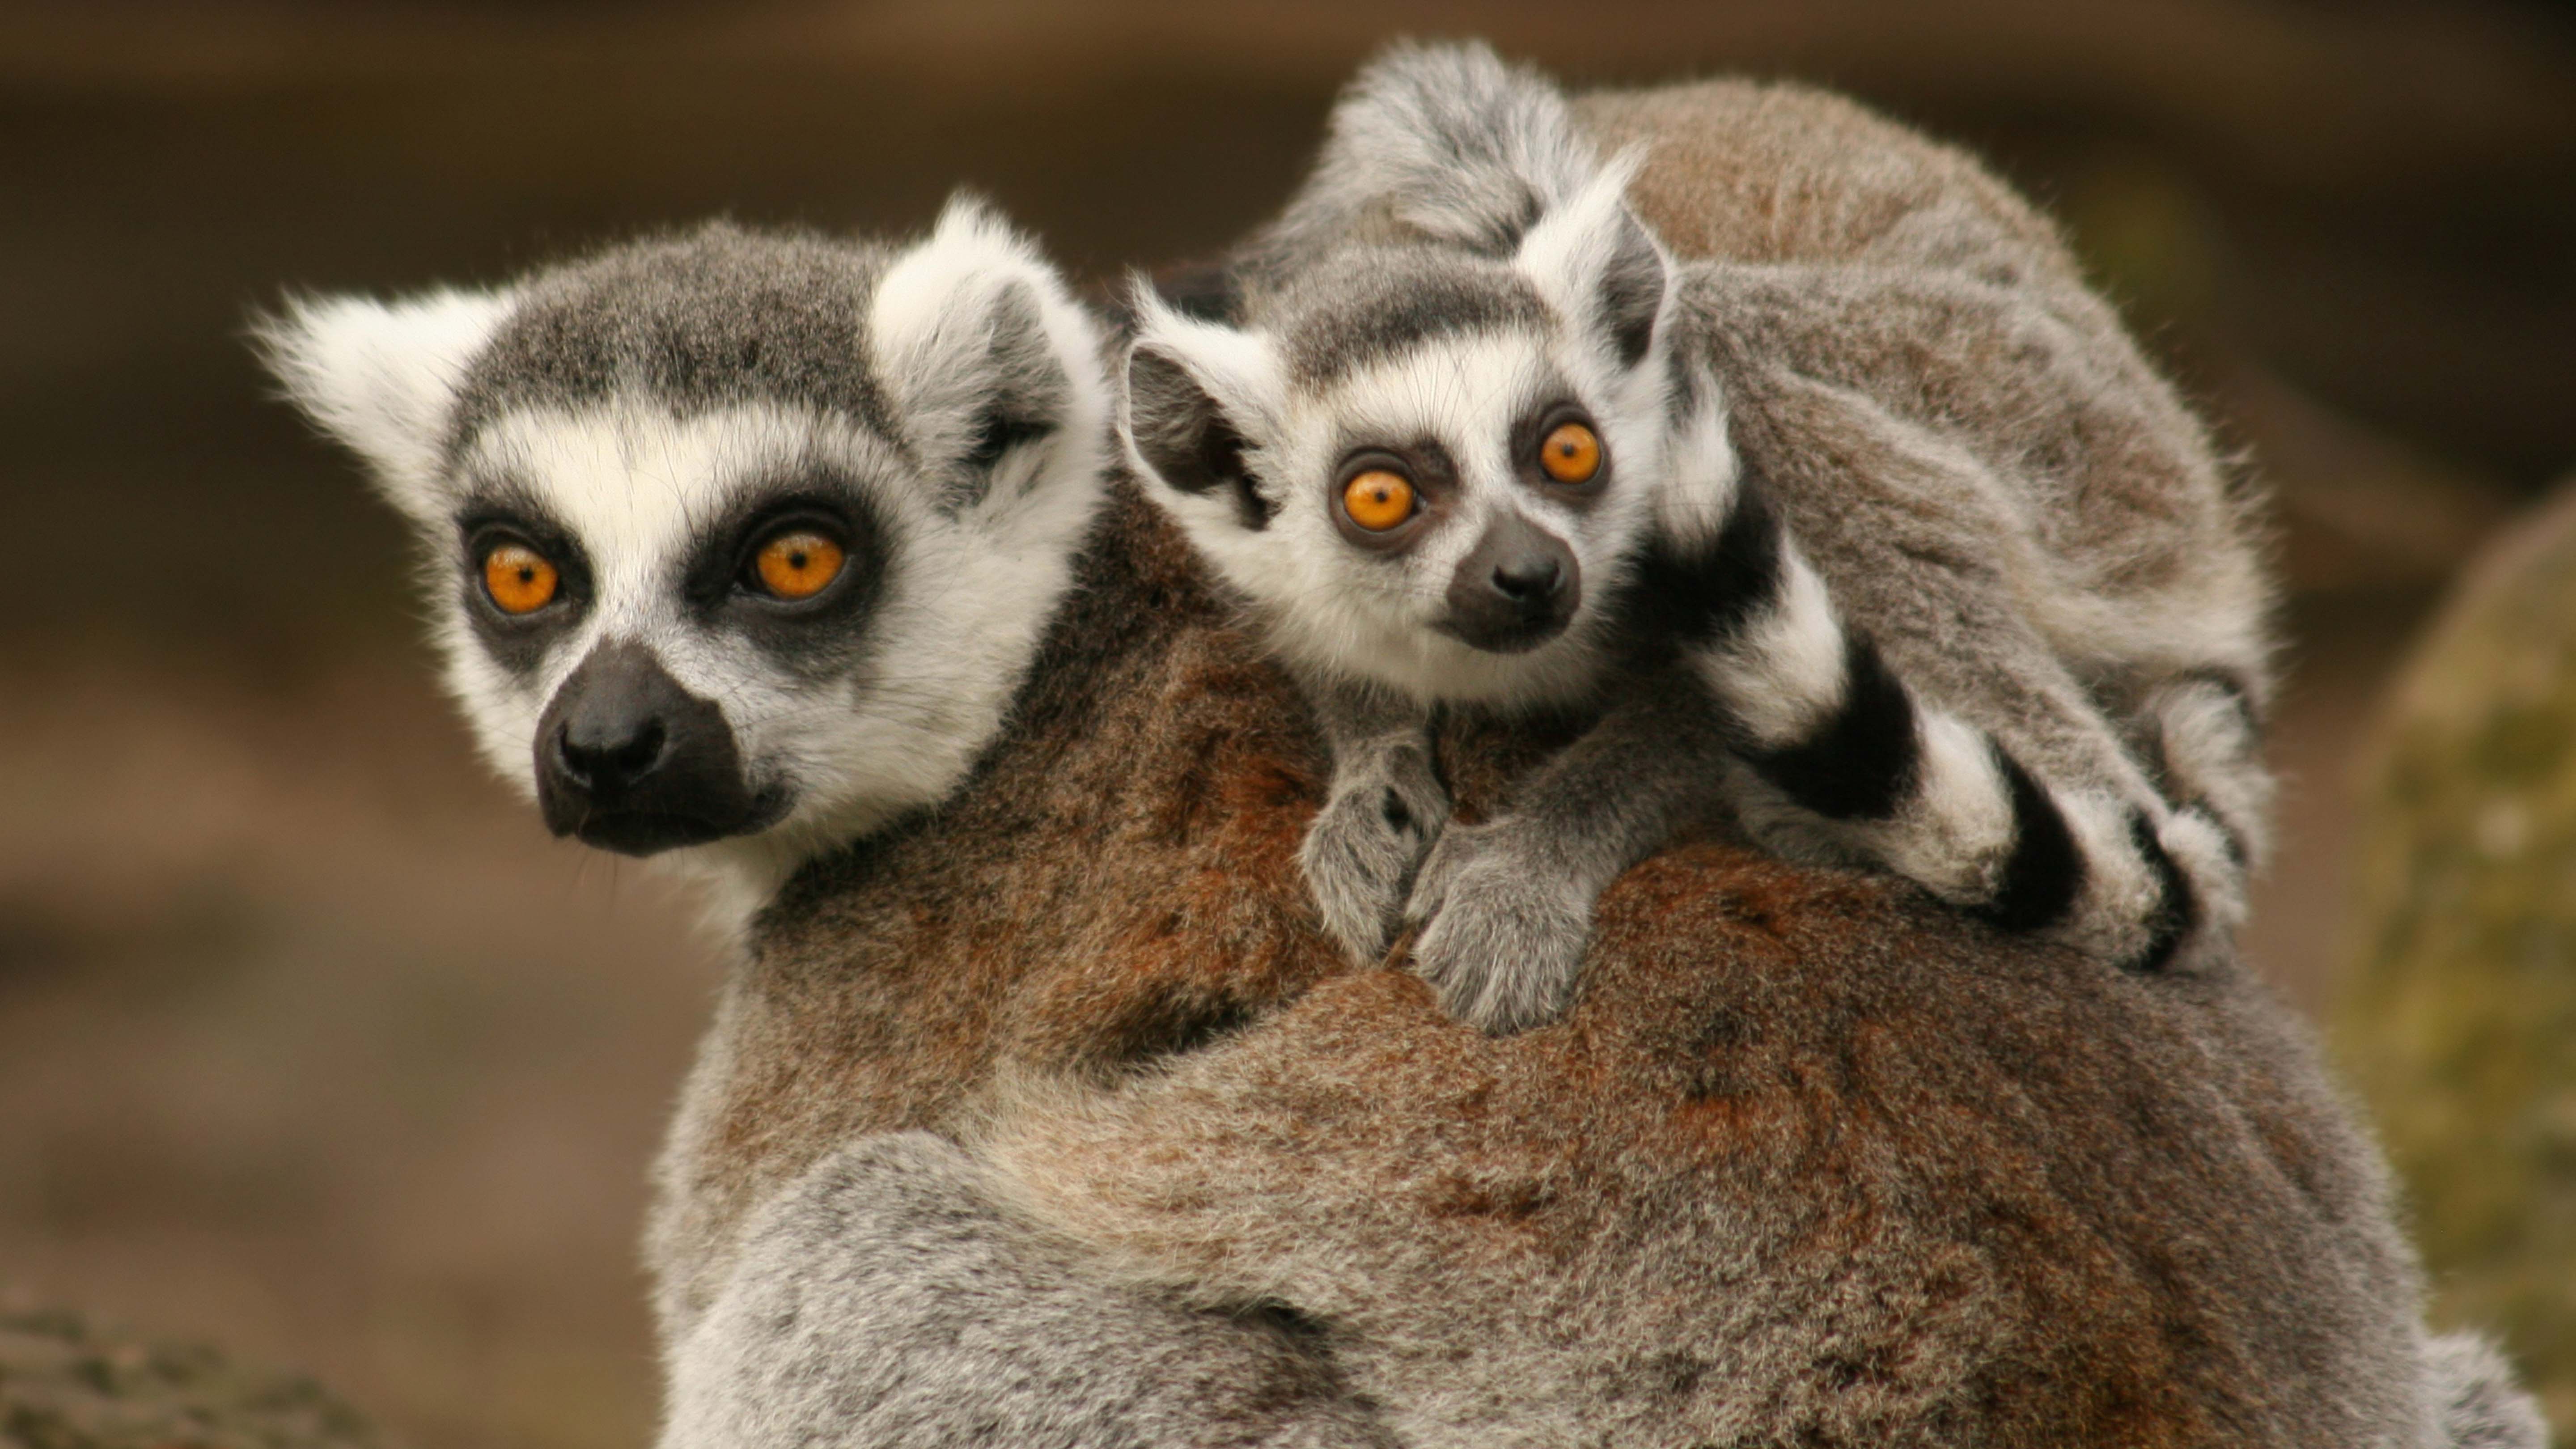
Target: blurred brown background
(312, 1043)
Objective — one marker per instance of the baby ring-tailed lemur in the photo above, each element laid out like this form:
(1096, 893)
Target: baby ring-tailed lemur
(739, 544)
(1853, 532)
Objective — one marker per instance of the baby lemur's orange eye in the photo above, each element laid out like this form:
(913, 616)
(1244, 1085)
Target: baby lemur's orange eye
(1570, 454)
(1378, 499)
(798, 564)
(519, 579)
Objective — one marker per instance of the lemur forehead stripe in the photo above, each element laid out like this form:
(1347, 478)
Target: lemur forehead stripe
(701, 321)
(1374, 305)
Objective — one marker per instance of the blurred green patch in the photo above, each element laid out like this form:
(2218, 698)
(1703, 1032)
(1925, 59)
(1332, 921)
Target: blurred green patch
(2459, 1019)
(66, 1384)
(2148, 235)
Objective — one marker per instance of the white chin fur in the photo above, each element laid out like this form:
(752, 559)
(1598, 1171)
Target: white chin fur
(1434, 668)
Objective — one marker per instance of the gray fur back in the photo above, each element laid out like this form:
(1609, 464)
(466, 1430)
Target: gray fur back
(2475, 1394)
(952, 1325)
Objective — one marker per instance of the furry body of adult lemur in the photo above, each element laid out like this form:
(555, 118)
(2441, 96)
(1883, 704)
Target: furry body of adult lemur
(1865, 521)
(1814, 1159)
(740, 547)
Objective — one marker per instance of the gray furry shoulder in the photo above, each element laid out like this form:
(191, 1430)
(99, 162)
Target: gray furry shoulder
(883, 1299)
(2478, 1402)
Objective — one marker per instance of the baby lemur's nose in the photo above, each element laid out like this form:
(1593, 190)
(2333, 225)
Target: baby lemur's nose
(1515, 590)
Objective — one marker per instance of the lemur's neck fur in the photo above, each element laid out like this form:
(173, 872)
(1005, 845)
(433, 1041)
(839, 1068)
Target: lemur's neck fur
(1119, 583)
(1010, 629)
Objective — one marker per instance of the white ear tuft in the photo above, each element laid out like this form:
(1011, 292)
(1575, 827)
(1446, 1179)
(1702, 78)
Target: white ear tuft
(983, 350)
(1592, 259)
(381, 377)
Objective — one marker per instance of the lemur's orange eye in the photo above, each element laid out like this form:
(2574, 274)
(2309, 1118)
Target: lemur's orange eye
(1571, 454)
(519, 578)
(1378, 499)
(798, 564)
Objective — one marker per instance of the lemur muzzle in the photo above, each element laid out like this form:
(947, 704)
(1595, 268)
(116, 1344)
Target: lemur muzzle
(630, 761)
(1516, 590)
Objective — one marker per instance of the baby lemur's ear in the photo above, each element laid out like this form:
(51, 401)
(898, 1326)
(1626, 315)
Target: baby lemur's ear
(1593, 259)
(382, 377)
(992, 366)
(1198, 395)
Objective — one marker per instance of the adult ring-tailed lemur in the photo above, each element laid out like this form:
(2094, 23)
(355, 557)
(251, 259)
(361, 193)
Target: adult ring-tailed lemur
(740, 547)
(1946, 576)
(749, 550)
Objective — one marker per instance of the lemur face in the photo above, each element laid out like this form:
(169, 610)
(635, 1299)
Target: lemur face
(1426, 467)
(738, 545)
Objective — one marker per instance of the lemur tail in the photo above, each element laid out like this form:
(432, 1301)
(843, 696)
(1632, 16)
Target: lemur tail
(2206, 743)
(1446, 140)
(1842, 753)
(2476, 1401)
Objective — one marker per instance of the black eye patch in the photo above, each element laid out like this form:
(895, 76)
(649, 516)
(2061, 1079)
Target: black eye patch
(813, 635)
(507, 518)
(1530, 439)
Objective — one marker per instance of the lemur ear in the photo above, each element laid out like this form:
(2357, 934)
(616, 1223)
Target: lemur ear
(990, 362)
(1592, 258)
(382, 376)
(1197, 393)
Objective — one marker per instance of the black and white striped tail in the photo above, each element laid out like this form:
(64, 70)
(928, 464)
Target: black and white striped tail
(1851, 754)
(2206, 746)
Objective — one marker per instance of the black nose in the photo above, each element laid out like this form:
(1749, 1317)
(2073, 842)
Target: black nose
(630, 761)
(1515, 590)
(607, 752)
(1528, 579)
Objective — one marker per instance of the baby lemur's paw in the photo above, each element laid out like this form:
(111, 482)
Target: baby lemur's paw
(1361, 853)
(1501, 933)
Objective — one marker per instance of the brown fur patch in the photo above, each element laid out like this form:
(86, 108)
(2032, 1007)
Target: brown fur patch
(1810, 1154)
(1812, 1160)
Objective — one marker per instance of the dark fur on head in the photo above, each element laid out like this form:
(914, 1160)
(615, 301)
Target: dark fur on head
(708, 318)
